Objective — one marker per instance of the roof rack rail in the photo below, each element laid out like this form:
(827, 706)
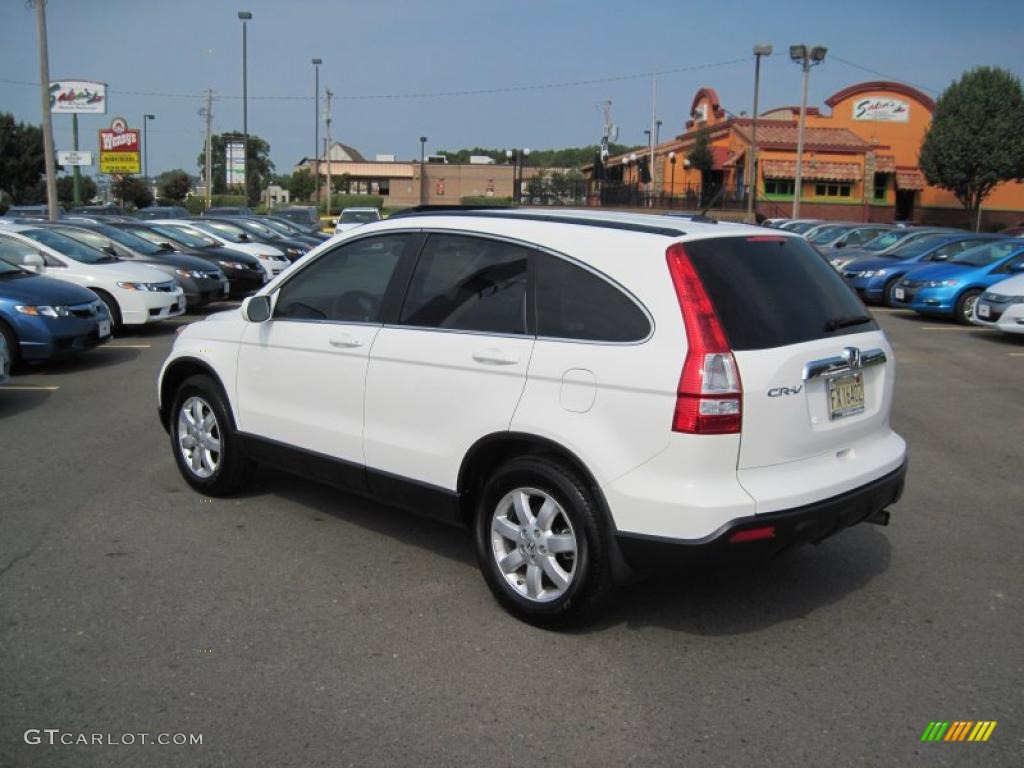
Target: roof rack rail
(496, 212)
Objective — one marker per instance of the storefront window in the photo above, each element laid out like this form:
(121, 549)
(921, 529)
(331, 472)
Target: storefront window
(778, 186)
(832, 190)
(881, 185)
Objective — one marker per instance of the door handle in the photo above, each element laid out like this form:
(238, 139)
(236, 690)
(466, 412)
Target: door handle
(494, 357)
(345, 341)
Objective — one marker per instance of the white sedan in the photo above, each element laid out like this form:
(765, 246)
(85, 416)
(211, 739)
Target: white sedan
(134, 294)
(1002, 306)
(272, 259)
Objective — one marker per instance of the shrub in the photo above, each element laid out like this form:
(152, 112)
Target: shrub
(484, 200)
(352, 201)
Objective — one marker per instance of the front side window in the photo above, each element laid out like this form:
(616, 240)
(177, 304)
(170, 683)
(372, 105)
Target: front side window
(346, 284)
(574, 303)
(468, 283)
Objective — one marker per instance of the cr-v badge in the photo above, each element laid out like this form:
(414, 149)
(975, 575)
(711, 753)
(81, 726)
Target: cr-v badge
(782, 391)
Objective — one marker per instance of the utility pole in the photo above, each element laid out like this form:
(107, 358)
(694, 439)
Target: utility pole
(654, 130)
(44, 87)
(209, 147)
(329, 95)
(759, 51)
(75, 172)
(316, 128)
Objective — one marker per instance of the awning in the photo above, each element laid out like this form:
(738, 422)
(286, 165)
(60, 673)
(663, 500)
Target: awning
(885, 164)
(910, 178)
(813, 170)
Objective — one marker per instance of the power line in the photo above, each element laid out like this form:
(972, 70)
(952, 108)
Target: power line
(881, 74)
(438, 94)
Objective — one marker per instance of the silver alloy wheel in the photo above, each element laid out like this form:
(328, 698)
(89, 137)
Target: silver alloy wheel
(969, 302)
(533, 544)
(199, 437)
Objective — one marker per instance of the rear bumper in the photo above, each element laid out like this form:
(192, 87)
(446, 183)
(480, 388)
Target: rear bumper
(801, 525)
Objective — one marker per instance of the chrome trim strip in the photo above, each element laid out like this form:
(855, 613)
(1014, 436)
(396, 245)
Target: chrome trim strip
(852, 359)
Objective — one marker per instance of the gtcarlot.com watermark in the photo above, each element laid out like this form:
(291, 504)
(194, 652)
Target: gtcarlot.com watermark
(55, 736)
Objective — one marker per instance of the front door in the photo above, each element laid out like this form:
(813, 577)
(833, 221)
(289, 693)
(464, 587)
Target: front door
(301, 373)
(905, 204)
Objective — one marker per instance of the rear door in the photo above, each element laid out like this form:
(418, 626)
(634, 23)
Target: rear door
(814, 366)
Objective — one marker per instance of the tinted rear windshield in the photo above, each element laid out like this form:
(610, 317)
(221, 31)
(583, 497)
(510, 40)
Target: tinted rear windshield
(773, 291)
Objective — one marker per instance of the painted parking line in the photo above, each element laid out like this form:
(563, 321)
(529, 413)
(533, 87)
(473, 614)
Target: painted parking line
(887, 309)
(30, 387)
(1015, 354)
(954, 328)
(126, 346)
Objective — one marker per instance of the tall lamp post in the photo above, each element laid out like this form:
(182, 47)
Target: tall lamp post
(145, 146)
(759, 51)
(316, 127)
(806, 57)
(245, 16)
(423, 174)
(672, 183)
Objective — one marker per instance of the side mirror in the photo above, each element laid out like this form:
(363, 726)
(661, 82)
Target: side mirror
(939, 257)
(167, 246)
(256, 309)
(1016, 267)
(34, 263)
(841, 244)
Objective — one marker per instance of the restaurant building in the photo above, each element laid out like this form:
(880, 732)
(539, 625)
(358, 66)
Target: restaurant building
(860, 161)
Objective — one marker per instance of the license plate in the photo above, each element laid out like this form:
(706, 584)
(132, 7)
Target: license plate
(899, 293)
(984, 310)
(846, 395)
(104, 329)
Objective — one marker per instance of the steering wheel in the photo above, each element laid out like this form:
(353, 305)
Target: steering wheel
(354, 305)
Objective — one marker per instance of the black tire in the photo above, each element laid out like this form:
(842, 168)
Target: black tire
(113, 309)
(890, 286)
(12, 344)
(964, 307)
(591, 582)
(233, 469)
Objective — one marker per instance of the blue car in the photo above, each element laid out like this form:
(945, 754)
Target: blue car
(874, 278)
(42, 318)
(953, 287)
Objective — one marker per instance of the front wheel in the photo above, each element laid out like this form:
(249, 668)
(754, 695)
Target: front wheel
(964, 309)
(888, 299)
(541, 543)
(113, 309)
(203, 439)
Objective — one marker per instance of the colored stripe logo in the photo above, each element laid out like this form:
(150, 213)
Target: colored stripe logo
(959, 730)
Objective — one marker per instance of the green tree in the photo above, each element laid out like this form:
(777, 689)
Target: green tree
(301, 185)
(258, 167)
(174, 185)
(66, 189)
(537, 187)
(701, 159)
(342, 183)
(569, 157)
(975, 141)
(131, 190)
(22, 163)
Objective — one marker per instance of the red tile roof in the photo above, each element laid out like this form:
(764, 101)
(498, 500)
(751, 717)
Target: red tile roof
(885, 164)
(910, 178)
(783, 135)
(813, 170)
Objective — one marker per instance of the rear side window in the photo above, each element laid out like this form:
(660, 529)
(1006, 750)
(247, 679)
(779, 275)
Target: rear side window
(573, 303)
(774, 291)
(468, 283)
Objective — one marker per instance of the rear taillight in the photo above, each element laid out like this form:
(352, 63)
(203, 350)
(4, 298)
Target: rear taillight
(708, 401)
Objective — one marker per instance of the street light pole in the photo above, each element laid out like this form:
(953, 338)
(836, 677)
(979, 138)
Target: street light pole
(316, 129)
(245, 16)
(145, 146)
(672, 183)
(44, 85)
(423, 174)
(759, 51)
(806, 58)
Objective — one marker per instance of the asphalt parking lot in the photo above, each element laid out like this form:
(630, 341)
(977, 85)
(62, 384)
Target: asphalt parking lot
(295, 626)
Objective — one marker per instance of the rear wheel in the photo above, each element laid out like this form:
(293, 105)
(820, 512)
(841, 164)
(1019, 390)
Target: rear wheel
(964, 308)
(203, 439)
(541, 543)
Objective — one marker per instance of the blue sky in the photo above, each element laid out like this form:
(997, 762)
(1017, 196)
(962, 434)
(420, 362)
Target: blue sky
(403, 47)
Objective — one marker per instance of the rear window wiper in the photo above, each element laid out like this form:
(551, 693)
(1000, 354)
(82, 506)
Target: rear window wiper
(845, 322)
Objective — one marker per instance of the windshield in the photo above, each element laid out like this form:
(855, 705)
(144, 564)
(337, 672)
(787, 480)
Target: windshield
(193, 238)
(8, 269)
(150, 236)
(229, 232)
(827, 234)
(259, 229)
(128, 240)
(92, 239)
(885, 240)
(359, 217)
(981, 255)
(69, 247)
(280, 226)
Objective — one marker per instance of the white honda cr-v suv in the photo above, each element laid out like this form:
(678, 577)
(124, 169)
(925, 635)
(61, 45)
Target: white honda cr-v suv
(594, 394)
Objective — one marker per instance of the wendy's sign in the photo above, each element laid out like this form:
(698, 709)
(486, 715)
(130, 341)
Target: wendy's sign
(883, 110)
